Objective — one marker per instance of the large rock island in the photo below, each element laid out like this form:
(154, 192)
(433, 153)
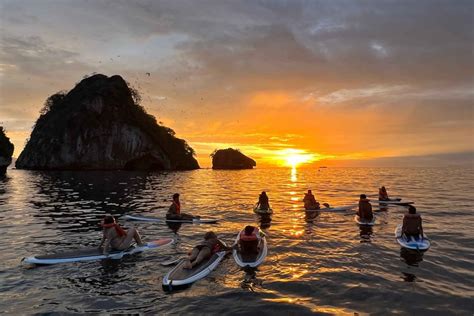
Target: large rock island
(6, 151)
(99, 125)
(231, 159)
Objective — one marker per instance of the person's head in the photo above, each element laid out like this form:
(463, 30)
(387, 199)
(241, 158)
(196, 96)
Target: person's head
(363, 196)
(249, 230)
(264, 193)
(383, 189)
(209, 235)
(411, 209)
(108, 220)
(309, 192)
(176, 197)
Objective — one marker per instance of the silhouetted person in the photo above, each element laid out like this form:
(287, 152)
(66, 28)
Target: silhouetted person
(365, 209)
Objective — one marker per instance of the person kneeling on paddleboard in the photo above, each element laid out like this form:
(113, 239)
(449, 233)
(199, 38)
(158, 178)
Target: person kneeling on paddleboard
(263, 203)
(310, 202)
(115, 237)
(412, 223)
(250, 240)
(205, 250)
(174, 212)
(365, 209)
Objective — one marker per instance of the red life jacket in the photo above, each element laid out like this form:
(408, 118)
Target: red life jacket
(178, 207)
(120, 231)
(250, 237)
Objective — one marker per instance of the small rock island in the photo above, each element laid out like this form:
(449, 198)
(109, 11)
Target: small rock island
(6, 151)
(231, 159)
(100, 125)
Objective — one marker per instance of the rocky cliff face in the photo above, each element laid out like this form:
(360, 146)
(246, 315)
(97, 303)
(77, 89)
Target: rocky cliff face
(231, 159)
(6, 151)
(99, 125)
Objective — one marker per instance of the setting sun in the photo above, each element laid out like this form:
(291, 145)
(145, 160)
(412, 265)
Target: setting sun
(295, 157)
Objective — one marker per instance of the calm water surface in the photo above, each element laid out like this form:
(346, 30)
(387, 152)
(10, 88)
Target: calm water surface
(325, 265)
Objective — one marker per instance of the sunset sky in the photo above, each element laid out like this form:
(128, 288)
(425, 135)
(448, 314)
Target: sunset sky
(285, 81)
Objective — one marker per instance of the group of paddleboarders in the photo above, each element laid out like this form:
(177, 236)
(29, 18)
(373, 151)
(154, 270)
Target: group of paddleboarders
(412, 223)
(114, 237)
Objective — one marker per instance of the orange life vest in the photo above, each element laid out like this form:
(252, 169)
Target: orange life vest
(250, 237)
(120, 231)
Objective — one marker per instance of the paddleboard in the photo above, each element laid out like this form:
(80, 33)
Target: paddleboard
(91, 254)
(334, 209)
(363, 222)
(392, 202)
(157, 220)
(419, 243)
(179, 277)
(263, 212)
(250, 260)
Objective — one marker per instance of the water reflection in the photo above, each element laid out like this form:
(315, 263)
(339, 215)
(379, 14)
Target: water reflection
(293, 177)
(365, 233)
(265, 221)
(411, 257)
(251, 281)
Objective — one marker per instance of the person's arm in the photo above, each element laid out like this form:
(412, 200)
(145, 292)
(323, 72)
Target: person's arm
(106, 243)
(421, 228)
(404, 226)
(103, 239)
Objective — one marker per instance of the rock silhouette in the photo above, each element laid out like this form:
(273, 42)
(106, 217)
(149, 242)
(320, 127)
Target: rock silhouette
(231, 159)
(99, 125)
(6, 151)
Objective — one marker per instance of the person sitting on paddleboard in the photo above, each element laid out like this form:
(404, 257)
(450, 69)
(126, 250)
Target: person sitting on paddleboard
(115, 237)
(205, 250)
(412, 223)
(263, 203)
(365, 209)
(174, 212)
(249, 240)
(383, 195)
(310, 202)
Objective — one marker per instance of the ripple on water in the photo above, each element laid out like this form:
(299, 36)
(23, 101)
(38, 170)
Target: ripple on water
(322, 263)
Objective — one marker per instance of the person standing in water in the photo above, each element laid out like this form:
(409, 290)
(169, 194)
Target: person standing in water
(174, 212)
(365, 209)
(412, 223)
(263, 203)
(310, 202)
(115, 237)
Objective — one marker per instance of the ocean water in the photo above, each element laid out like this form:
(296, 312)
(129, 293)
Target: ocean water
(321, 265)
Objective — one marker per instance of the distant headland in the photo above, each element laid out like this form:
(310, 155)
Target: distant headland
(100, 125)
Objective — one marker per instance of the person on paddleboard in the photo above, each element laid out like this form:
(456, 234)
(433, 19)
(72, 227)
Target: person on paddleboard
(174, 212)
(115, 237)
(263, 203)
(365, 209)
(412, 223)
(205, 250)
(250, 240)
(310, 202)
(383, 195)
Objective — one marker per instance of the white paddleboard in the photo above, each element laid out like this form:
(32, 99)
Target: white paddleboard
(411, 243)
(253, 260)
(91, 254)
(359, 221)
(392, 202)
(334, 209)
(179, 277)
(157, 220)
